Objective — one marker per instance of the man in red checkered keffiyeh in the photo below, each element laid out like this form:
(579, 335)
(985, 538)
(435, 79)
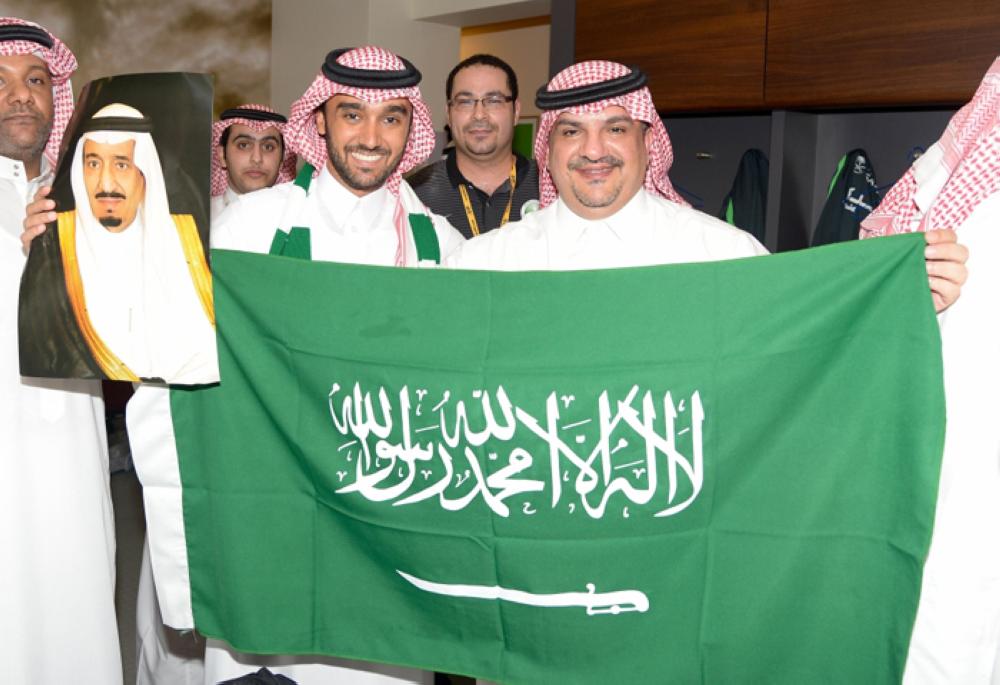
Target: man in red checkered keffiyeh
(57, 611)
(947, 183)
(51, 110)
(589, 88)
(603, 155)
(248, 153)
(956, 185)
(357, 73)
(360, 126)
(943, 188)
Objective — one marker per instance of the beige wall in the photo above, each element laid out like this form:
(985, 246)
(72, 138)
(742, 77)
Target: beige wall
(433, 48)
(477, 12)
(303, 31)
(525, 49)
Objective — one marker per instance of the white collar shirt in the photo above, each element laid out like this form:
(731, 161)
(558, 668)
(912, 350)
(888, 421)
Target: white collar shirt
(957, 628)
(56, 519)
(344, 227)
(220, 202)
(647, 231)
(17, 190)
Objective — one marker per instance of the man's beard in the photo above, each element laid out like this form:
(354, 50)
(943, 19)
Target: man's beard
(610, 194)
(9, 147)
(484, 147)
(105, 220)
(353, 180)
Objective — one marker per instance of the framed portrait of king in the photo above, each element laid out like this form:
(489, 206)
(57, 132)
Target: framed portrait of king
(118, 287)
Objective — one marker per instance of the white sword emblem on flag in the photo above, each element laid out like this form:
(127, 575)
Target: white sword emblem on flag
(615, 602)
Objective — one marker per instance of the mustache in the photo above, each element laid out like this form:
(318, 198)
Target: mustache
(479, 126)
(22, 110)
(109, 194)
(608, 160)
(369, 150)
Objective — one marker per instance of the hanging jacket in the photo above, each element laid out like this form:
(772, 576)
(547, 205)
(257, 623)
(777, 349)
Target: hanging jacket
(852, 195)
(746, 204)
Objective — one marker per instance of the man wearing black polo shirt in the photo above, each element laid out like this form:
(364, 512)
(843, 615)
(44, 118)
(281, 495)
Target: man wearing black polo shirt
(472, 185)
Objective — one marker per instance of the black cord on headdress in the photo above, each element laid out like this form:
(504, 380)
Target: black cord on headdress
(22, 32)
(369, 78)
(592, 92)
(143, 125)
(252, 114)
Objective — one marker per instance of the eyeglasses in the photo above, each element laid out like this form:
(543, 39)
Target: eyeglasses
(491, 103)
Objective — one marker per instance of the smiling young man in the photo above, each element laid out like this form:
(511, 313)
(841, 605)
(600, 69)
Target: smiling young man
(471, 187)
(248, 153)
(360, 125)
(360, 131)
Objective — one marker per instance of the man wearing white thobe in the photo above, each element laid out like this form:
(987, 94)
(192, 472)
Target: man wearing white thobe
(57, 579)
(607, 201)
(956, 183)
(606, 197)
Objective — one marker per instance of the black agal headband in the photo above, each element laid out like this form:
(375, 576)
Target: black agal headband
(592, 92)
(29, 33)
(252, 115)
(406, 77)
(143, 125)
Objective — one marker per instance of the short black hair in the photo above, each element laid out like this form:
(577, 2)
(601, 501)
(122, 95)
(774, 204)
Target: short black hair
(224, 140)
(487, 61)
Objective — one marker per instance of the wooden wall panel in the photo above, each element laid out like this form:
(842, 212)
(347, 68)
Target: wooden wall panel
(878, 53)
(700, 56)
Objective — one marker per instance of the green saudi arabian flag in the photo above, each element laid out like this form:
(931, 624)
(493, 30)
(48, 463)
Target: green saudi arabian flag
(702, 473)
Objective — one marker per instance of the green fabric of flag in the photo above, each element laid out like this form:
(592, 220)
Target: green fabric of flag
(701, 473)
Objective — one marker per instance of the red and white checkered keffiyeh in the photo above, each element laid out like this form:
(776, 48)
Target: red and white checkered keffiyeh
(303, 138)
(639, 105)
(62, 64)
(970, 157)
(220, 178)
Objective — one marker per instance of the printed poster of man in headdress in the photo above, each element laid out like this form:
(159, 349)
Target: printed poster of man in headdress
(119, 287)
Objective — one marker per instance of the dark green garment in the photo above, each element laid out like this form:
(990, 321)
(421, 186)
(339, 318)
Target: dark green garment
(746, 204)
(852, 195)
